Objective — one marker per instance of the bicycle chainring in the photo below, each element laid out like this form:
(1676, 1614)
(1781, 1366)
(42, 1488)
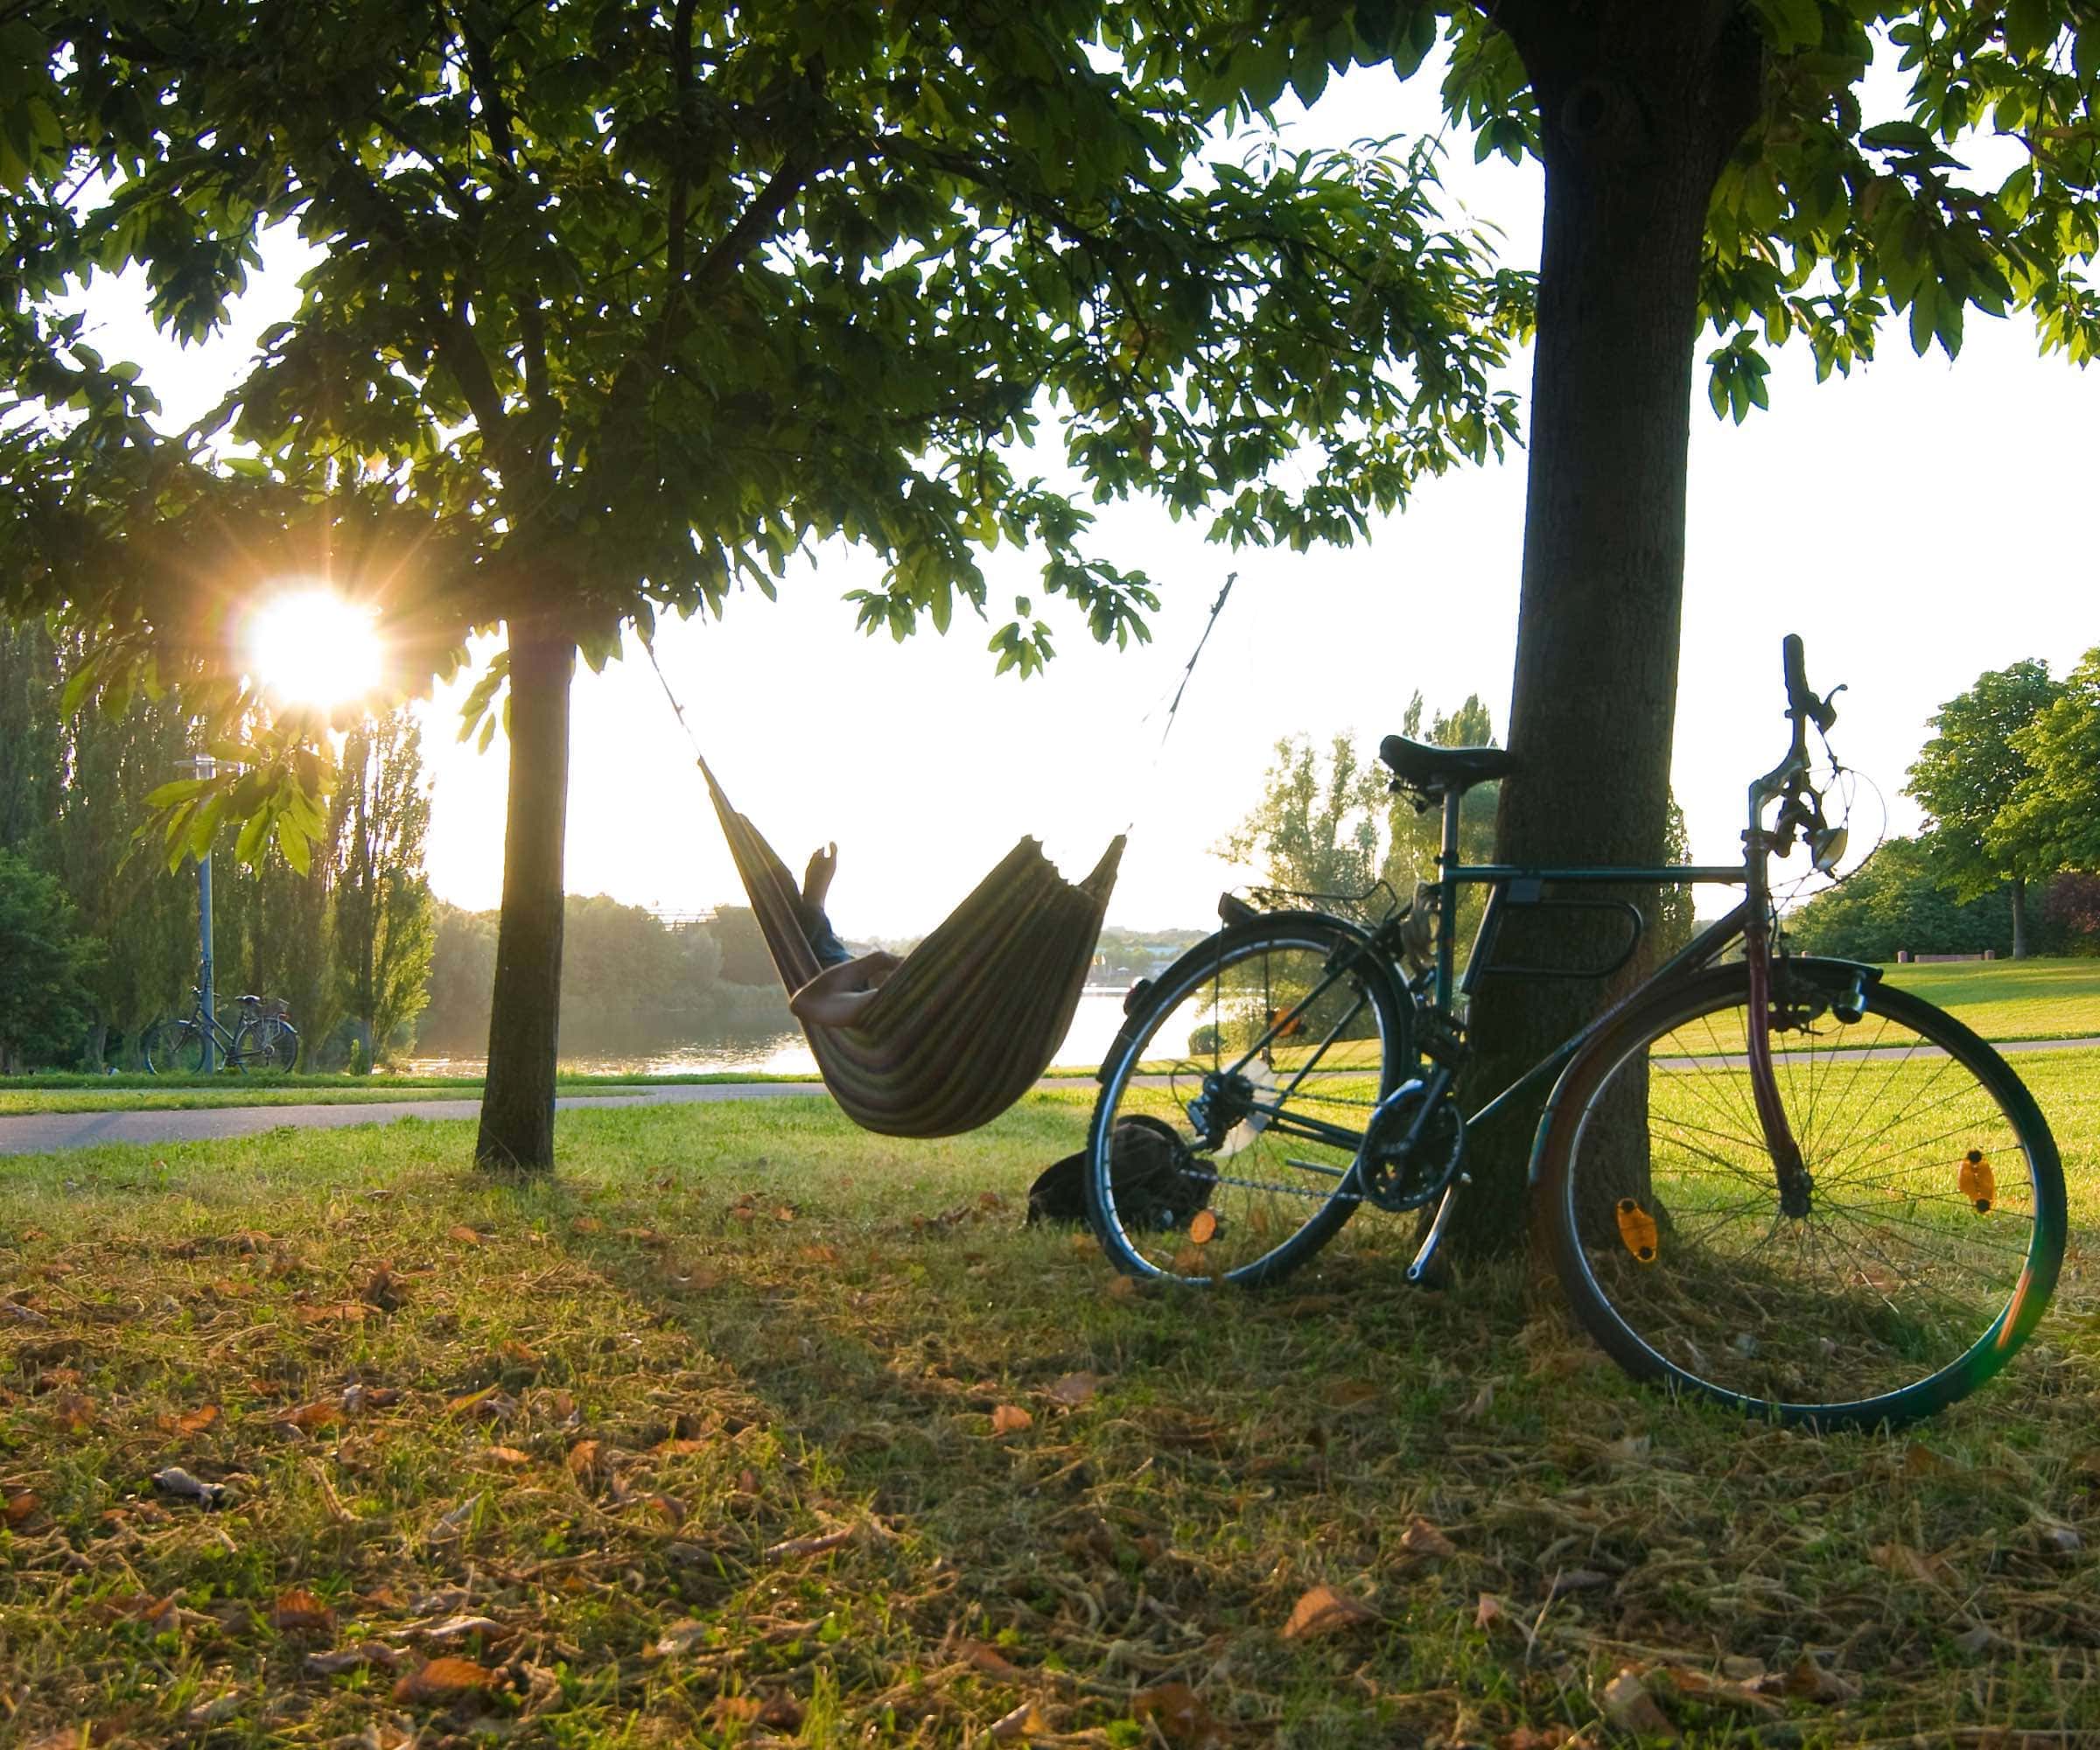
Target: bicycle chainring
(1397, 1177)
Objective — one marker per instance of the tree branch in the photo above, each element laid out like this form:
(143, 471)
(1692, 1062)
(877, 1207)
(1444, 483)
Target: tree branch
(482, 79)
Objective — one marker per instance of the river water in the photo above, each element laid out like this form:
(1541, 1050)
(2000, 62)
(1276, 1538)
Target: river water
(780, 1052)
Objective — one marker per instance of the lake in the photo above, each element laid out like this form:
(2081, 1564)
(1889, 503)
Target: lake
(768, 1051)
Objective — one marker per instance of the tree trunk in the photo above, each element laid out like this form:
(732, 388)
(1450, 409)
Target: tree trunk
(1640, 102)
(517, 1104)
(2019, 917)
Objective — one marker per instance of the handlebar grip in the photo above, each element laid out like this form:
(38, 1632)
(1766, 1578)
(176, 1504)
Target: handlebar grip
(1799, 698)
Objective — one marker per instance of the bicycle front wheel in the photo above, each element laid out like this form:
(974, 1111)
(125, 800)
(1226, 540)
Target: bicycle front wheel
(267, 1047)
(1922, 1256)
(1223, 1144)
(175, 1048)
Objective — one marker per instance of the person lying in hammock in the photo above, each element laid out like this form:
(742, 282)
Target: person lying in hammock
(836, 996)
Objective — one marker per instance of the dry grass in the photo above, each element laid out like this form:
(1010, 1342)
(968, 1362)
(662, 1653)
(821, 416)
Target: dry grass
(754, 1428)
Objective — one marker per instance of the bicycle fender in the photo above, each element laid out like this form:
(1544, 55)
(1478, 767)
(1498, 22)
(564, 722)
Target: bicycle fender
(1831, 974)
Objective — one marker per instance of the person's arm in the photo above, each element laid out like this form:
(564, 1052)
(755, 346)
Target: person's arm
(835, 996)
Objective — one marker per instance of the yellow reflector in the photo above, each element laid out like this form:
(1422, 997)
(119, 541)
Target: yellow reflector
(1977, 1182)
(1201, 1225)
(1637, 1228)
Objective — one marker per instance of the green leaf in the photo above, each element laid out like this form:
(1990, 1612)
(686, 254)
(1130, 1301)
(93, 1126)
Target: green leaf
(1906, 136)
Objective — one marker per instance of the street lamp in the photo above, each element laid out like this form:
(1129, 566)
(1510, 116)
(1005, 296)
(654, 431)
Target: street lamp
(203, 766)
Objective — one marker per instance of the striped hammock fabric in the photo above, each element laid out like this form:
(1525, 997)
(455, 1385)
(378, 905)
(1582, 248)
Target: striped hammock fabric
(972, 1018)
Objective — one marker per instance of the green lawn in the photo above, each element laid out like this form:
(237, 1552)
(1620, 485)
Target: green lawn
(2005, 999)
(189, 1092)
(749, 1427)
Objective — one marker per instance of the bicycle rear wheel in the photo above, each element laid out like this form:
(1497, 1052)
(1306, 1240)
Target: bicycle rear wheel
(1932, 1233)
(175, 1048)
(1223, 1144)
(268, 1047)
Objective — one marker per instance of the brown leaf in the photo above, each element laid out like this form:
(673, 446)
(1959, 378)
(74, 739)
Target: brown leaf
(19, 1507)
(586, 1460)
(1325, 1611)
(227, 1289)
(1072, 1390)
(1010, 1418)
(1023, 1722)
(507, 1455)
(346, 1312)
(308, 1417)
(301, 1612)
(1178, 1712)
(461, 1627)
(444, 1680)
(1121, 1288)
(386, 1290)
(1722, 1691)
(990, 1660)
(196, 1421)
(1907, 1564)
(464, 1234)
(812, 1545)
(1488, 1610)
(1811, 1682)
(1919, 1461)
(515, 1353)
(1533, 1738)
(1627, 1705)
(785, 1212)
(1421, 1538)
(586, 1224)
(681, 1637)
(75, 1413)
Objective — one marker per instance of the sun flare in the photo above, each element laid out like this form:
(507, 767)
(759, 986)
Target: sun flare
(311, 648)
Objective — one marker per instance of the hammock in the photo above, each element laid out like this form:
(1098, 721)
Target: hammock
(972, 1018)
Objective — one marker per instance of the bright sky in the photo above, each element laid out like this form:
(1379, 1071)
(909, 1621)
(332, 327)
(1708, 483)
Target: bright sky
(1917, 524)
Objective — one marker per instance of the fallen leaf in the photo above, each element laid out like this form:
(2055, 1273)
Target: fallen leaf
(177, 1482)
(348, 1312)
(1483, 1400)
(784, 1213)
(386, 1290)
(990, 1200)
(196, 1421)
(1627, 1705)
(75, 1413)
(351, 1658)
(585, 1460)
(1421, 1538)
(1533, 1738)
(812, 1546)
(1010, 1418)
(1121, 1288)
(586, 1224)
(1180, 1716)
(1325, 1611)
(464, 1234)
(990, 1660)
(216, 1712)
(1907, 1564)
(507, 1455)
(227, 1289)
(1023, 1722)
(19, 1507)
(458, 1519)
(1488, 1610)
(1633, 1449)
(361, 1397)
(1072, 1390)
(444, 1680)
(301, 1612)
(680, 1637)
(823, 1255)
(516, 1353)
(1718, 1690)
(308, 1417)
(1353, 1394)
(1811, 1682)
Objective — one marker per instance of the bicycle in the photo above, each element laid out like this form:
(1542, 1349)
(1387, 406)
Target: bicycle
(1781, 1183)
(264, 1042)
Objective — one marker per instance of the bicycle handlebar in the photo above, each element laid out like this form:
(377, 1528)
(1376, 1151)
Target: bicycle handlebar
(1803, 705)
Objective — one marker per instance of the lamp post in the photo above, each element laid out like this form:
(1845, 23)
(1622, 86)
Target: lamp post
(205, 766)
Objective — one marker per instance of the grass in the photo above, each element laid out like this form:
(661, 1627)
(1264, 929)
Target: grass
(701, 1442)
(192, 1093)
(2005, 999)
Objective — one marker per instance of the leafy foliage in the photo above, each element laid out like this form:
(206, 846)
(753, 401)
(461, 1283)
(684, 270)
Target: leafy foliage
(1967, 774)
(44, 999)
(616, 310)
(1896, 902)
(2053, 814)
(383, 927)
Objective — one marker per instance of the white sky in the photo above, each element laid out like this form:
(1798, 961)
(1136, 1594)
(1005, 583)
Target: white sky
(1917, 524)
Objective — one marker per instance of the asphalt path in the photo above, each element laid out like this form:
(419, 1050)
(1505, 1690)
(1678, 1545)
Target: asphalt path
(49, 1132)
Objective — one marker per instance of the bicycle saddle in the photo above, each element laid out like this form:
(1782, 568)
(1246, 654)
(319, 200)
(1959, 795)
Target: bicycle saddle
(1424, 767)
(248, 999)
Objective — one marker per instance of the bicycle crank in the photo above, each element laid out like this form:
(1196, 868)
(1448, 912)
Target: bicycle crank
(1408, 1156)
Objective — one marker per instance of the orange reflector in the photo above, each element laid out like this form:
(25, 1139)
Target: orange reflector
(1978, 1183)
(1637, 1228)
(1201, 1225)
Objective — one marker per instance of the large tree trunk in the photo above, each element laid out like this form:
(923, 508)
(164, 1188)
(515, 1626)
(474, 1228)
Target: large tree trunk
(517, 1104)
(2019, 917)
(1640, 102)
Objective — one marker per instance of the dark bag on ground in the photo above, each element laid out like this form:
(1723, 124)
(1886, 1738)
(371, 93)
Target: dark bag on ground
(1158, 1183)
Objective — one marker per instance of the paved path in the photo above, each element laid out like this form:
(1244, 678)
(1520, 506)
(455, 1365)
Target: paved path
(46, 1132)
(43, 1132)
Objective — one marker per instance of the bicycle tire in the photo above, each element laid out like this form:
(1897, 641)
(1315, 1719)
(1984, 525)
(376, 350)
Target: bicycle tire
(1934, 1229)
(268, 1047)
(175, 1048)
(1267, 1212)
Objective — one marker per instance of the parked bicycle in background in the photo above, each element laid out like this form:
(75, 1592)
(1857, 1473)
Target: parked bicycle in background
(263, 1042)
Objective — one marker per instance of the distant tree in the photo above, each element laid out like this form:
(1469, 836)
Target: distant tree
(463, 962)
(2053, 816)
(2072, 911)
(1316, 829)
(1897, 901)
(44, 1004)
(1966, 776)
(745, 958)
(30, 763)
(384, 933)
